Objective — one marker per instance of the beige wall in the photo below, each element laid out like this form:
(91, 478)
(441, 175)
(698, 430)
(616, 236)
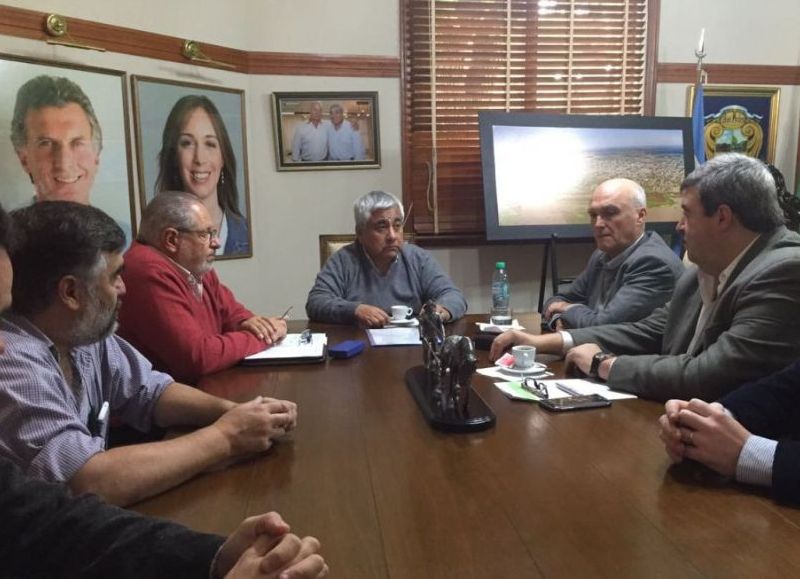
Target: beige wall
(291, 209)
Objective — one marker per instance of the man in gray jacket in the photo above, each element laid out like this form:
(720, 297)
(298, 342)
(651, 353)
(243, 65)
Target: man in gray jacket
(362, 281)
(734, 315)
(632, 272)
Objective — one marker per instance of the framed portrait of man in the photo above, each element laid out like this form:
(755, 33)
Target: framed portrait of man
(192, 137)
(326, 130)
(64, 136)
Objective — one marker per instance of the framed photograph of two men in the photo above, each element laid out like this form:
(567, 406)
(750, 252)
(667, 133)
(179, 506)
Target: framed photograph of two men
(326, 130)
(64, 136)
(740, 119)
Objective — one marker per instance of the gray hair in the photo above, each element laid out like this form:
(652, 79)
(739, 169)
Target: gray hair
(742, 183)
(366, 205)
(167, 209)
(50, 91)
(336, 107)
(638, 196)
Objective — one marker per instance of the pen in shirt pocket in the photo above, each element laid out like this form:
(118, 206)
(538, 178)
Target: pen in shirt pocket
(102, 420)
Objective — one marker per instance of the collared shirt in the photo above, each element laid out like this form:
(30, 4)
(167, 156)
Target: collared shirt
(195, 282)
(344, 144)
(310, 141)
(711, 287)
(609, 269)
(49, 428)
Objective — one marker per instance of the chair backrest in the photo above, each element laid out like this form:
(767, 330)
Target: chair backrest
(330, 244)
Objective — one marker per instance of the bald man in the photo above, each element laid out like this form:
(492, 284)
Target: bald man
(631, 273)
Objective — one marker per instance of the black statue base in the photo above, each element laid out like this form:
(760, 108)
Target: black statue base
(478, 416)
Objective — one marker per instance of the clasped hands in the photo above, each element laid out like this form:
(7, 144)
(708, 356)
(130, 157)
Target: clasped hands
(703, 432)
(263, 547)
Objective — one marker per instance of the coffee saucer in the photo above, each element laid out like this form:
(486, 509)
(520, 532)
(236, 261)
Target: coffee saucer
(535, 369)
(412, 322)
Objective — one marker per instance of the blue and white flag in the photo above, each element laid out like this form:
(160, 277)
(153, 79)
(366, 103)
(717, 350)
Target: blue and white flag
(698, 125)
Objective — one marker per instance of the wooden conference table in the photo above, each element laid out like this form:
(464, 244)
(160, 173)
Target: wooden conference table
(581, 494)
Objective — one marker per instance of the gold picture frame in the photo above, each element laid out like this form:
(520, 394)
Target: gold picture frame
(349, 141)
(740, 119)
(110, 186)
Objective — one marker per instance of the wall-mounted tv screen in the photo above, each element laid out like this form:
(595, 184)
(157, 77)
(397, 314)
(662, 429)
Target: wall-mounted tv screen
(539, 171)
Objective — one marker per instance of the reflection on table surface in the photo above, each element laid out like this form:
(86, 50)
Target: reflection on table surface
(539, 495)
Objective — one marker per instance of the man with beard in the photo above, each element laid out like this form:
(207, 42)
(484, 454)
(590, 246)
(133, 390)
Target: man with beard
(39, 519)
(195, 326)
(64, 374)
(362, 281)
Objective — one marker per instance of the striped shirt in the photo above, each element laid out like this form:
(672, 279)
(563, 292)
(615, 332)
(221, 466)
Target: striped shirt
(49, 429)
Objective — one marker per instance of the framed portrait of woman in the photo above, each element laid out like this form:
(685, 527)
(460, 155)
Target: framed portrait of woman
(64, 137)
(192, 137)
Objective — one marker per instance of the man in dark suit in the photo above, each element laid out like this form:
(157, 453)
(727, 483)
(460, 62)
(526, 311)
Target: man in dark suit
(734, 315)
(751, 434)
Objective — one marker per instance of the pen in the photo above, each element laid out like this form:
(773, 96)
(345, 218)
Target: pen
(286, 313)
(103, 414)
(567, 389)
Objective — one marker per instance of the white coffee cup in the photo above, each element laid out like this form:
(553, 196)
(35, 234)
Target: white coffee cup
(400, 313)
(524, 356)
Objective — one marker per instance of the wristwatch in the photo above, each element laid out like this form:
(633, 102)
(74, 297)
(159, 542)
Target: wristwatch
(597, 359)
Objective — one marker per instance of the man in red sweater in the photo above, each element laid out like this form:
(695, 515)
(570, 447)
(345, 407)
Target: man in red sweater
(176, 311)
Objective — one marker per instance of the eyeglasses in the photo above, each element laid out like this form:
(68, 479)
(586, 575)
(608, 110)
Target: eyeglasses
(535, 387)
(205, 235)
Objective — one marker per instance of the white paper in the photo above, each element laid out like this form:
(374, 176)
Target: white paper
(495, 329)
(394, 337)
(290, 347)
(553, 391)
(582, 386)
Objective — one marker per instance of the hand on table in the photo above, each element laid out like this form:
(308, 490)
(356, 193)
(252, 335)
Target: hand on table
(251, 427)
(703, 432)
(371, 316)
(268, 329)
(263, 547)
(557, 307)
(580, 357)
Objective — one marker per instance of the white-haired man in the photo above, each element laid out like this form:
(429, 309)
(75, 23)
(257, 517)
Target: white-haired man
(362, 281)
(631, 273)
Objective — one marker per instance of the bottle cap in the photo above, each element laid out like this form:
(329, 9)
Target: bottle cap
(500, 265)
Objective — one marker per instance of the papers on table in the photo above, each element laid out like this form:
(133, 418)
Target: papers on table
(495, 329)
(515, 391)
(292, 348)
(394, 337)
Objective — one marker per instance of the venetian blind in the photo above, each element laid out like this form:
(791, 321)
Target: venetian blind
(463, 56)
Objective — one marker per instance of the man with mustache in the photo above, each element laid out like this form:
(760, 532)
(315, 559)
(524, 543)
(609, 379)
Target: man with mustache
(195, 326)
(38, 537)
(362, 281)
(65, 374)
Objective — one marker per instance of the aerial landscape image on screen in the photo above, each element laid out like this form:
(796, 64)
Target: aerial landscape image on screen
(546, 175)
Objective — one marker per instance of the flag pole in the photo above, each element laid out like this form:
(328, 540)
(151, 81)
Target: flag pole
(698, 114)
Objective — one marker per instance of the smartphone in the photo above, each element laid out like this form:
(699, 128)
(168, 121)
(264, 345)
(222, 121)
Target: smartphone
(574, 403)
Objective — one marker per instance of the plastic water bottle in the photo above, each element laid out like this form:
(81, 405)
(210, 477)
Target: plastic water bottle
(501, 295)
